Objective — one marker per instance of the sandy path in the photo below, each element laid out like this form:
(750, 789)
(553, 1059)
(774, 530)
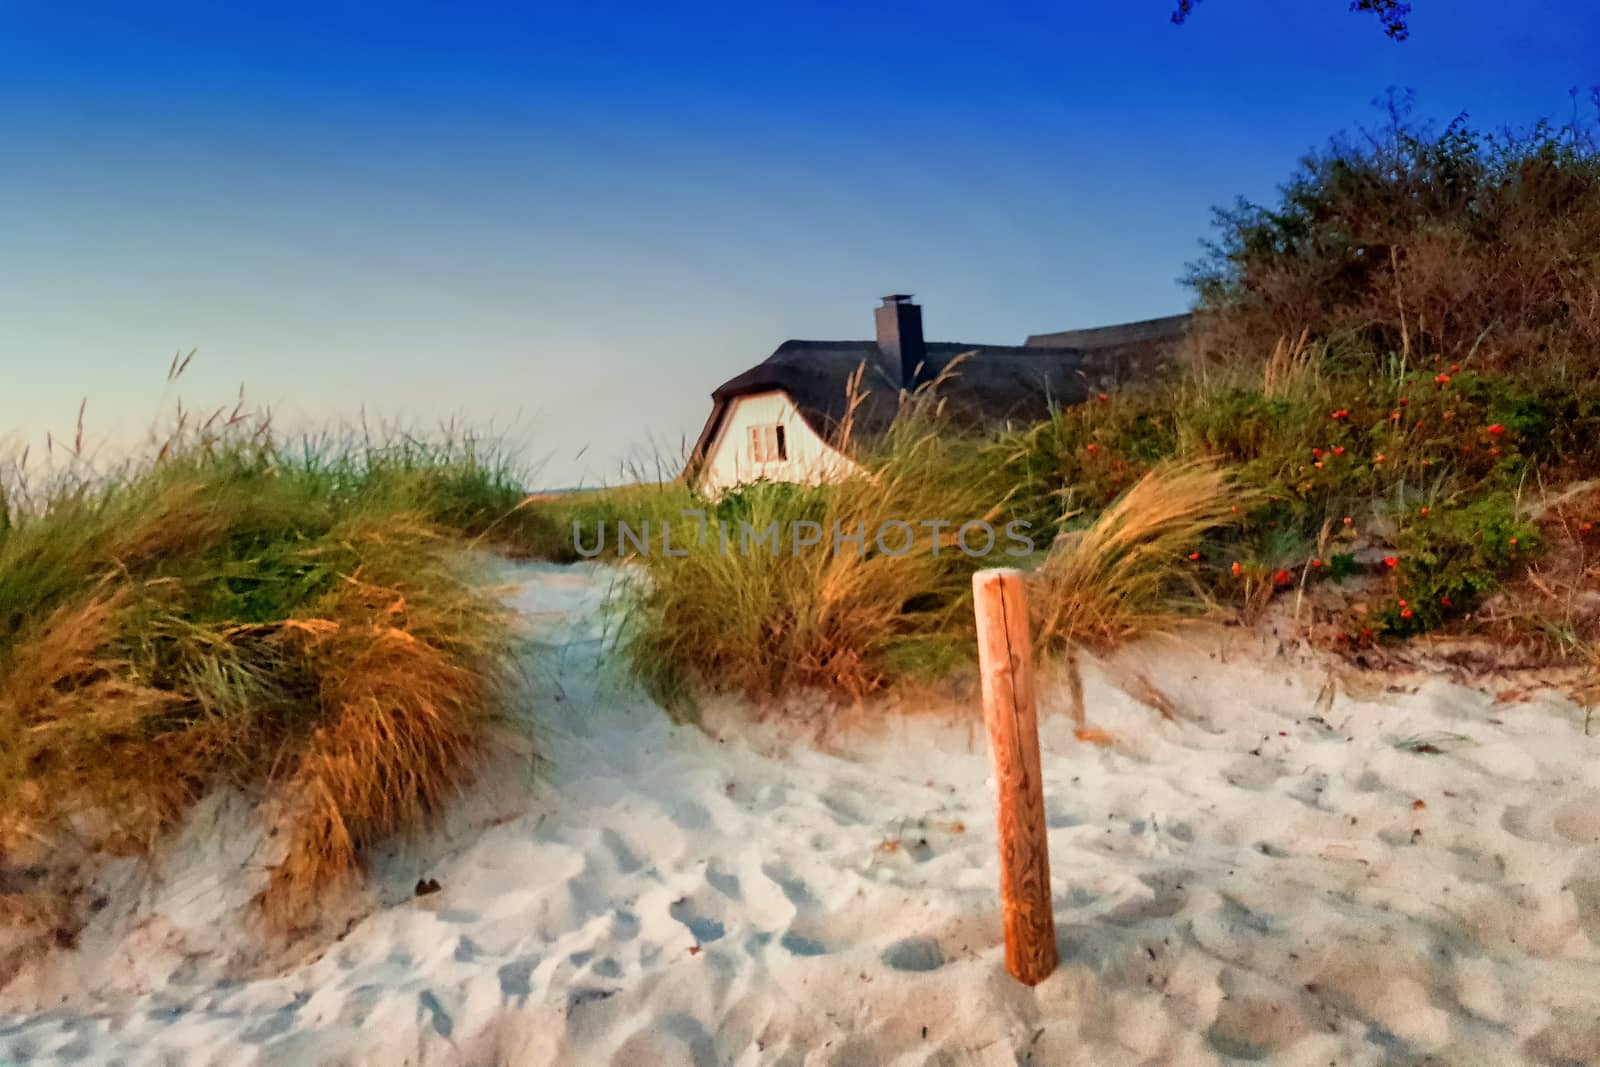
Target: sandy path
(1253, 881)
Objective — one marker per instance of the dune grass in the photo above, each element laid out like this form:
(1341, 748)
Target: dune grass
(820, 604)
(1124, 575)
(300, 621)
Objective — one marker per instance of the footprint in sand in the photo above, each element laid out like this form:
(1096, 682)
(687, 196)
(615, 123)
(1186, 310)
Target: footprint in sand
(676, 1039)
(1584, 885)
(277, 1024)
(795, 889)
(627, 861)
(429, 1007)
(724, 882)
(1254, 773)
(802, 946)
(704, 928)
(1475, 866)
(516, 978)
(1578, 820)
(1256, 1028)
(1167, 898)
(916, 954)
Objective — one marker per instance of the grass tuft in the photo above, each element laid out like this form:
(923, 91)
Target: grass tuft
(1127, 573)
(299, 621)
(843, 616)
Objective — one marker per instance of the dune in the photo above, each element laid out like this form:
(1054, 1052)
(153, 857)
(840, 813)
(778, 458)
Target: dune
(1304, 865)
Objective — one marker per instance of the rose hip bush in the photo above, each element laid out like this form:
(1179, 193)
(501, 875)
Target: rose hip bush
(1426, 465)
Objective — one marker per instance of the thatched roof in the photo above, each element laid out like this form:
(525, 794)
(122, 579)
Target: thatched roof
(992, 384)
(1142, 334)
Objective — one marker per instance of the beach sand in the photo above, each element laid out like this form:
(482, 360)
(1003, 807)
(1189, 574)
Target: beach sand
(1306, 865)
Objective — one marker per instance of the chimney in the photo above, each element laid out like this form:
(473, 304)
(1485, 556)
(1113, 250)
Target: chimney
(900, 343)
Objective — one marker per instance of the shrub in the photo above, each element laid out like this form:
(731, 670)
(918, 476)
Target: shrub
(1412, 461)
(1448, 560)
(1473, 245)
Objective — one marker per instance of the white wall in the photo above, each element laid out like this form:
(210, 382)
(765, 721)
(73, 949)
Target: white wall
(729, 461)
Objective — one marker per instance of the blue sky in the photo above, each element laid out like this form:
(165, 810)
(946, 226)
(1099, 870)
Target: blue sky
(569, 223)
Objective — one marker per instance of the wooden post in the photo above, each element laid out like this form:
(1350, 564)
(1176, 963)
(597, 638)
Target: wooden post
(1005, 659)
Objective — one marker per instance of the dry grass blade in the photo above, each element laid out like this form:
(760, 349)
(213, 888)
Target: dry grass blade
(1291, 367)
(1123, 576)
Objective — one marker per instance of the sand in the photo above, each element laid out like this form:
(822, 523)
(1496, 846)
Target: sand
(1303, 866)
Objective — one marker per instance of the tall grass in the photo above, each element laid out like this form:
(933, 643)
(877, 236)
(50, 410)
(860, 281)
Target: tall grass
(842, 616)
(1126, 574)
(298, 620)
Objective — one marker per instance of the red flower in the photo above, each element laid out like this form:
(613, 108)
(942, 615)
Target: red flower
(1104, 397)
(1348, 520)
(1341, 413)
(1318, 464)
(1424, 511)
(1404, 401)
(1282, 577)
(1194, 555)
(1445, 601)
(1513, 542)
(1497, 429)
(1317, 452)
(1394, 416)
(1586, 527)
(1455, 368)
(1402, 603)
(1091, 446)
(1378, 458)
(1338, 450)
(1391, 561)
(1236, 568)
(1442, 379)
(1405, 613)
(1316, 564)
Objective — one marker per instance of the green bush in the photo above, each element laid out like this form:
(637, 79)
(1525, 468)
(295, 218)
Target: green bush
(1479, 246)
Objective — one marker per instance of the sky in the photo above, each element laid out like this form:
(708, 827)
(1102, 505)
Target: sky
(566, 224)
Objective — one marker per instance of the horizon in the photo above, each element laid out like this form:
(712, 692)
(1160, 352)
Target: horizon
(569, 227)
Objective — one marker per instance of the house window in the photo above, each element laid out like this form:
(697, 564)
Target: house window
(768, 444)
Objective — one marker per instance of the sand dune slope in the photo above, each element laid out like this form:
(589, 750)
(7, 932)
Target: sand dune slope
(1297, 869)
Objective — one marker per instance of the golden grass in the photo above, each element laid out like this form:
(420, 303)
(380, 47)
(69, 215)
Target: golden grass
(404, 683)
(1127, 574)
(848, 622)
(229, 616)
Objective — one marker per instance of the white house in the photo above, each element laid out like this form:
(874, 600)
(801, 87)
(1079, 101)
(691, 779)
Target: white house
(796, 416)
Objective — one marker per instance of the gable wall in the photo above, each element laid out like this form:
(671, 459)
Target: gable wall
(729, 462)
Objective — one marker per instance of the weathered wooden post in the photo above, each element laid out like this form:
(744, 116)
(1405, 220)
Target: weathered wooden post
(1005, 660)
